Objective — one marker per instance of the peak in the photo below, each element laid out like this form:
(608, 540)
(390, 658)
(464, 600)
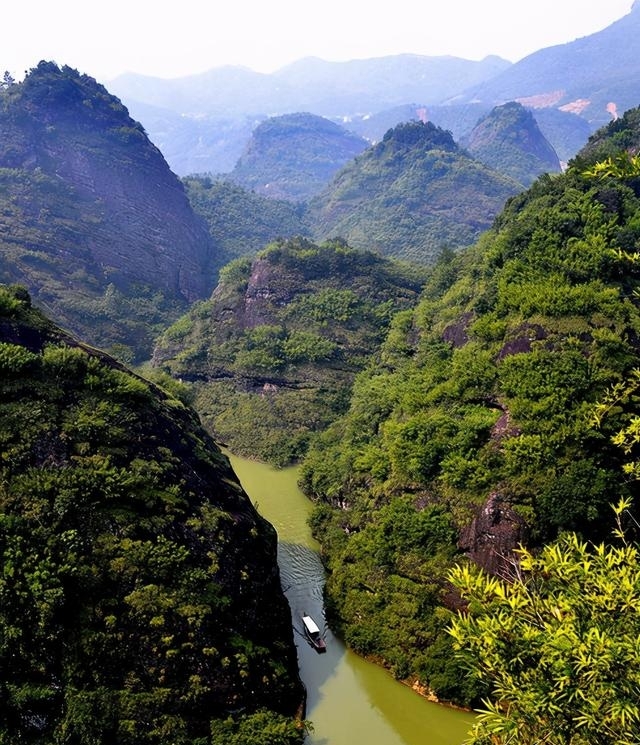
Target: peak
(425, 134)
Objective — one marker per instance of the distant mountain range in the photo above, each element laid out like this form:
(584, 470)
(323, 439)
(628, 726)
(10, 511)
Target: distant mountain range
(596, 77)
(202, 122)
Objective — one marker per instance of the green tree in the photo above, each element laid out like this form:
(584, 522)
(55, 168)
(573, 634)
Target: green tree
(558, 644)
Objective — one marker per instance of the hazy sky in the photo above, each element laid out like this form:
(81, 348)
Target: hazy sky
(171, 38)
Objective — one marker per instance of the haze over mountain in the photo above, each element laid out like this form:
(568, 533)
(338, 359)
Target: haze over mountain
(329, 89)
(207, 104)
(294, 156)
(591, 78)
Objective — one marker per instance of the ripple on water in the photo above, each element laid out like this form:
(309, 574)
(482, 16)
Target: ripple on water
(350, 701)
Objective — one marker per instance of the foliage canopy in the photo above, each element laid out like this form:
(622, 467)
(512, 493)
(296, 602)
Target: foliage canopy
(558, 645)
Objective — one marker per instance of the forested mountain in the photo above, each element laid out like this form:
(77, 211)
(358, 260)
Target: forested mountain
(509, 140)
(272, 354)
(475, 431)
(140, 599)
(411, 195)
(92, 220)
(241, 222)
(294, 156)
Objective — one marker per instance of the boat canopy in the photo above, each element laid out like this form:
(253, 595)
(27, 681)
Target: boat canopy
(310, 624)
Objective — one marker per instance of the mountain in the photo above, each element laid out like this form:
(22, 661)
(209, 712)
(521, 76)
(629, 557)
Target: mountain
(324, 88)
(202, 122)
(198, 144)
(474, 430)
(294, 156)
(411, 195)
(92, 220)
(140, 599)
(270, 357)
(509, 140)
(589, 80)
(595, 76)
(242, 222)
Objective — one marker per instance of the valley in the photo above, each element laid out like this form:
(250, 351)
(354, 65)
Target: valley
(383, 369)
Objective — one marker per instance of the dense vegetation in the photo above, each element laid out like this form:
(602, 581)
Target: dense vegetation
(295, 156)
(240, 222)
(509, 140)
(558, 643)
(271, 356)
(92, 220)
(476, 430)
(140, 598)
(411, 195)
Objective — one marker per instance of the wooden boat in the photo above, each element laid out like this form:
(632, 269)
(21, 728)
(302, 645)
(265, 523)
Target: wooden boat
(313, 633)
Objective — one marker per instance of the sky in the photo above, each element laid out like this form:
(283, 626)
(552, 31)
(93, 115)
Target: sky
(174, 38)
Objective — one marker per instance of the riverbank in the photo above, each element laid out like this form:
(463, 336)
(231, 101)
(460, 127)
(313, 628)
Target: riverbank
(349, 699)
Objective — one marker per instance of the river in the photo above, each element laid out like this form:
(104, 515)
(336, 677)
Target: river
(349, 700)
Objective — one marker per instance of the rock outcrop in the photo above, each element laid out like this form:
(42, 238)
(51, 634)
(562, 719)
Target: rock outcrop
(92, 220)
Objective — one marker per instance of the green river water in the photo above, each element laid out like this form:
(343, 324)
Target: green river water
(350, 701)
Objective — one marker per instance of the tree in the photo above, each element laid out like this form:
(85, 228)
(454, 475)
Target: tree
(7, 80)
(558, 644)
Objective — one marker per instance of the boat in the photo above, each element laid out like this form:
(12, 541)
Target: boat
(313, 633)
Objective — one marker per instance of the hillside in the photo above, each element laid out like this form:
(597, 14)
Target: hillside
(509, 140)
(411, 195)
(140, 600)
(272, 354)
(294, 156)
(595, 76)
(475, 432)
(92, 220)
(239, 221)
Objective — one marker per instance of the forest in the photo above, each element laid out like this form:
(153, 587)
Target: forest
(467, 426)
(483, 398)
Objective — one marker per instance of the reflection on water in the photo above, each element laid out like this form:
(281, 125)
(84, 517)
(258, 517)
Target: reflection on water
(349, 700)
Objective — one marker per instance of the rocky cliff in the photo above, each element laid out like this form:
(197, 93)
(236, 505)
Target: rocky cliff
(92, 220)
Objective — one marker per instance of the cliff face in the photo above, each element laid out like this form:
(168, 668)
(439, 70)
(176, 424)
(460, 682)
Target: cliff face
(141, 591)
(89, 209)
